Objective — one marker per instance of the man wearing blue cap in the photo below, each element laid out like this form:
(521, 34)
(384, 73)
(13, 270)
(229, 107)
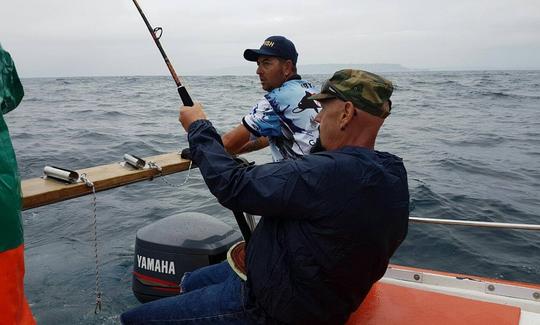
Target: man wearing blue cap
(284, 117)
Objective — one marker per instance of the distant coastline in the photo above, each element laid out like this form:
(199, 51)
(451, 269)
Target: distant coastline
(372, 67)
(331, 68)
(314, 68)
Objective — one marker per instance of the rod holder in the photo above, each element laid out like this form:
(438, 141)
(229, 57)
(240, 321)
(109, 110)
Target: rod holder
(61, 174)
(134, 161)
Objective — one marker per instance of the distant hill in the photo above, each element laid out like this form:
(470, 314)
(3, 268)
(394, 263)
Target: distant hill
(310, 69)
(331, 68)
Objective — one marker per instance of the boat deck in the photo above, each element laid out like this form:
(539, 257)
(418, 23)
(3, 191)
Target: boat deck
(416, 296)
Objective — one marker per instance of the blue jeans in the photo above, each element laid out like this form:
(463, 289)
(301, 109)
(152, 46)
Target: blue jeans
(210, 295)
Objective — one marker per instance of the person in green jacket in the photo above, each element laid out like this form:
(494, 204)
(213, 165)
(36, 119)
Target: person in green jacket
(14, 308)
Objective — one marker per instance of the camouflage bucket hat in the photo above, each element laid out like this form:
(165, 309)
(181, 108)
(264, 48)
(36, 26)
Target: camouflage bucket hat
(366, 90)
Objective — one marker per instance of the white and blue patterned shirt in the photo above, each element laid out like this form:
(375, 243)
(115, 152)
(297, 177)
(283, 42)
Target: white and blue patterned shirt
(287, 118)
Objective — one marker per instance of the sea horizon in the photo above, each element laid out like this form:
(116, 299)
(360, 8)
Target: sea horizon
(299, 72)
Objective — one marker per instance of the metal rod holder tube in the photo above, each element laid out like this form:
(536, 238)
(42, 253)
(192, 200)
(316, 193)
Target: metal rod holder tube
(134, 161)
(62, 174)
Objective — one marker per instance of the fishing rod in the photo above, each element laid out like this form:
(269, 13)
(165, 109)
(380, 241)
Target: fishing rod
(156, 35)
(186, 100)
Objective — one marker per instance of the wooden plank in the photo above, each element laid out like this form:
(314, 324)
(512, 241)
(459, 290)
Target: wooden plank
(38, 191)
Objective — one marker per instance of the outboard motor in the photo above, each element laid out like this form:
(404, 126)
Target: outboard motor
(166, 249)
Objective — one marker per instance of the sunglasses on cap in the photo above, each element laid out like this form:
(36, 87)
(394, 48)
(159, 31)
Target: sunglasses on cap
(328, 88)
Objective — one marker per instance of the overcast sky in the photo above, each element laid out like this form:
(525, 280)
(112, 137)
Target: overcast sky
(108, 37)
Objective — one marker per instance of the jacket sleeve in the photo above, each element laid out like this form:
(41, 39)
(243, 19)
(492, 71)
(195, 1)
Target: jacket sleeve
(284, 189)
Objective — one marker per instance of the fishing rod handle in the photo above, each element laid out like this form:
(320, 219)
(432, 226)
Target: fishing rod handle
(184, 96)
(243, 225)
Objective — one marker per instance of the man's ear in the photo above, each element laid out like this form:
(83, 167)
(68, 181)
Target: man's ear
(347, 115)
(288, 68)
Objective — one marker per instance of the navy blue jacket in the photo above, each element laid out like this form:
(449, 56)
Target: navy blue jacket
(330, 223)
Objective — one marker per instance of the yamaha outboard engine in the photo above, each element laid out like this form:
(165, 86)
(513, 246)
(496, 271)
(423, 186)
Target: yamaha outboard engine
(166, 249)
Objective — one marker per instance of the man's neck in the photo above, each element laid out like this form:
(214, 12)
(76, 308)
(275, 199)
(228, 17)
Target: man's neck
(365, 139)
(293, 77)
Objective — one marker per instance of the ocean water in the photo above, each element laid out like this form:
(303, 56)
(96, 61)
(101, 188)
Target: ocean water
(470, 142)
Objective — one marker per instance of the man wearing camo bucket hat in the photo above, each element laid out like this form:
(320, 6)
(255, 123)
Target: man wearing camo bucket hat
(368, 93)
(330, 221)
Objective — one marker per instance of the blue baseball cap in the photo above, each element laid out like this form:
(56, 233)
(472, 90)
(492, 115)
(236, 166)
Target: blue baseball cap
(274, 46)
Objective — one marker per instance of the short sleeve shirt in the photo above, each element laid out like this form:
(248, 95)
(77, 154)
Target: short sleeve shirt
(291, 130)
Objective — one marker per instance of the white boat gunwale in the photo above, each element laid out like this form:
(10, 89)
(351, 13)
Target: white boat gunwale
(519, 294)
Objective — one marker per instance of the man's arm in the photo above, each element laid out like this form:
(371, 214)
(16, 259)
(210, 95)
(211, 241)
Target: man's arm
(252, 134)
(285, 189)
(254, 145)
(257, 190)
(236, 139)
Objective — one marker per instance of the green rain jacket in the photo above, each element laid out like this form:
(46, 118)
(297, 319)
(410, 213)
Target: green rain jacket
(11, 94)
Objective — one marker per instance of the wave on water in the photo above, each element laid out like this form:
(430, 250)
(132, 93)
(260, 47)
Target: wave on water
(32, 99)
(136, 146)
(110, 114)
(503, 94)
(63, 81)
(495, 94)
(435, 83)
(484, 140)
(425, 200)
(465, 249)
(476, 167)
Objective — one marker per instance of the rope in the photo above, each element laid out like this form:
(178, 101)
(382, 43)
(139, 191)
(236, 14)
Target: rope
(88, 183)
(155, 166)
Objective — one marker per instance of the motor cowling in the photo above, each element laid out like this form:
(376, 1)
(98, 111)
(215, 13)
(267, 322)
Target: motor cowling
(166, 249)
